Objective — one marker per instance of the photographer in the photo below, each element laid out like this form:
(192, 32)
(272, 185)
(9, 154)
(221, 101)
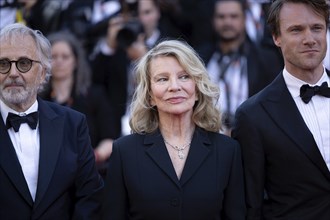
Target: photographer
(111, 64)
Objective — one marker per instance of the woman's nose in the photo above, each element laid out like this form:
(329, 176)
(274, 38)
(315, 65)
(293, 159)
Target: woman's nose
(174, 85)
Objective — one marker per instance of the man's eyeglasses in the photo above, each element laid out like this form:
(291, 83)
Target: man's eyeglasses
(22, 64)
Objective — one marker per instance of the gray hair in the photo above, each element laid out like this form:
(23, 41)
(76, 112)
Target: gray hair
(14, 32)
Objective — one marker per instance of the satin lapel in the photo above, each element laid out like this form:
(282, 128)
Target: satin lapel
(51, 135)
(10, 164)
(282, 108)
(197, 154)
(156, 149)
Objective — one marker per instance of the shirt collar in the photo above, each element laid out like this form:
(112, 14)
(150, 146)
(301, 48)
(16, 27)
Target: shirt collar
(294, 84)
(4, 109)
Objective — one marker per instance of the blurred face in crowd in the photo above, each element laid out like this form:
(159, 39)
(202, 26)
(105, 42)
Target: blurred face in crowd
(19, 90)
(149, 15)
(229, 20)
(302, 38)
(173, 90)
(63, 61)
(28, 3)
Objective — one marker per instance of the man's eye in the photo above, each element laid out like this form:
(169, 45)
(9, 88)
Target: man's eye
(317, 28)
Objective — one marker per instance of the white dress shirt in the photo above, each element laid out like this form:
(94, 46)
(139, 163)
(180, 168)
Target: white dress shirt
(235, 77)
(316, 113)
(27, 146)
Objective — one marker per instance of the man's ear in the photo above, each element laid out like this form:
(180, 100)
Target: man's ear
(277, 40)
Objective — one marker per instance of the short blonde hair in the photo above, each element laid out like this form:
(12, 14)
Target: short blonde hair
(144, 117)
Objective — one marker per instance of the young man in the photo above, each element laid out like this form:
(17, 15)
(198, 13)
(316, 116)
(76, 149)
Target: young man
(284, 130)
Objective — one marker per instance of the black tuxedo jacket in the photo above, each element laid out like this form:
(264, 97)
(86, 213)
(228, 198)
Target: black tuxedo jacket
(142, 183)
(68, 183)
(285, 174)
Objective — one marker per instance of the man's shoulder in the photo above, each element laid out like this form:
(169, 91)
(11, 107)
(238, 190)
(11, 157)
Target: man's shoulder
(255, 100)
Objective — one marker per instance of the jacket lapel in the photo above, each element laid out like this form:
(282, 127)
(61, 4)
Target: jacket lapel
(156, 149)
(197, 154)
(282, 108)
(51, 135)
(10, 164)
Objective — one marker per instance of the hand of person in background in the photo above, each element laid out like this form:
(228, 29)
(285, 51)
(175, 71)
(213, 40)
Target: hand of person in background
(137, 49)
(103, 151)
(115, 25)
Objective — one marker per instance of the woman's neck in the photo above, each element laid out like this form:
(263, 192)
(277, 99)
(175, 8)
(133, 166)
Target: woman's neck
(61, 89)
(177, 129)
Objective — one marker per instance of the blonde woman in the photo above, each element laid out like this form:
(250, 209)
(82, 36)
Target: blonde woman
(175, 165)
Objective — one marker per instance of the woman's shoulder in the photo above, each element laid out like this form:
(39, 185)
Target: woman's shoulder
(133, 138)
(220, 140)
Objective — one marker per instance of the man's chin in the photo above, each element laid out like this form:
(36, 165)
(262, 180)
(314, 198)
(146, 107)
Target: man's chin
(228, 38)
(14, 96)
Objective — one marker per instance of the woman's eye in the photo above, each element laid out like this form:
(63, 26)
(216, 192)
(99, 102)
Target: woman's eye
(184, 77)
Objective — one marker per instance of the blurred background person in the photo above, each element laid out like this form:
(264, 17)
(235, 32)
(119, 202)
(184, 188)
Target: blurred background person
(70, 85)
(112, 64)
(149, 15)
(255, 22)
(193, 20)
(175, 149)
(8, 10)
(240, 67)
(43, 15)
(88, 21)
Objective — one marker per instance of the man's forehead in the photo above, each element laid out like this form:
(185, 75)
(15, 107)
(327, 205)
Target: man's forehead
(19, 46)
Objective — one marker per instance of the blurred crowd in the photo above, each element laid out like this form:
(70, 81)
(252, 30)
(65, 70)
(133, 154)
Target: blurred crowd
(95, 44)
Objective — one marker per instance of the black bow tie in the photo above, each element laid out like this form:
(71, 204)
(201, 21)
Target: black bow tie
(307, 92)
(15, 121)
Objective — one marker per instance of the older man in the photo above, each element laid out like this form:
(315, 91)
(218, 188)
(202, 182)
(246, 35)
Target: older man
(47, 167)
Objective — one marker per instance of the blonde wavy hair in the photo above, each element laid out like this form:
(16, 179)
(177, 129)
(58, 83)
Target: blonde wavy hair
(144, 116)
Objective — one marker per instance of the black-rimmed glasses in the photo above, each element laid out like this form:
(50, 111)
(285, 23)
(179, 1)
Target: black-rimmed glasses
(22, 64)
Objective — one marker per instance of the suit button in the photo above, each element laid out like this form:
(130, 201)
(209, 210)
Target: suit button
(175, 202)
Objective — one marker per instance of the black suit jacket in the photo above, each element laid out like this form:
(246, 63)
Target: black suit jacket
(285, 174)
(68, 182)
(142, 183)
